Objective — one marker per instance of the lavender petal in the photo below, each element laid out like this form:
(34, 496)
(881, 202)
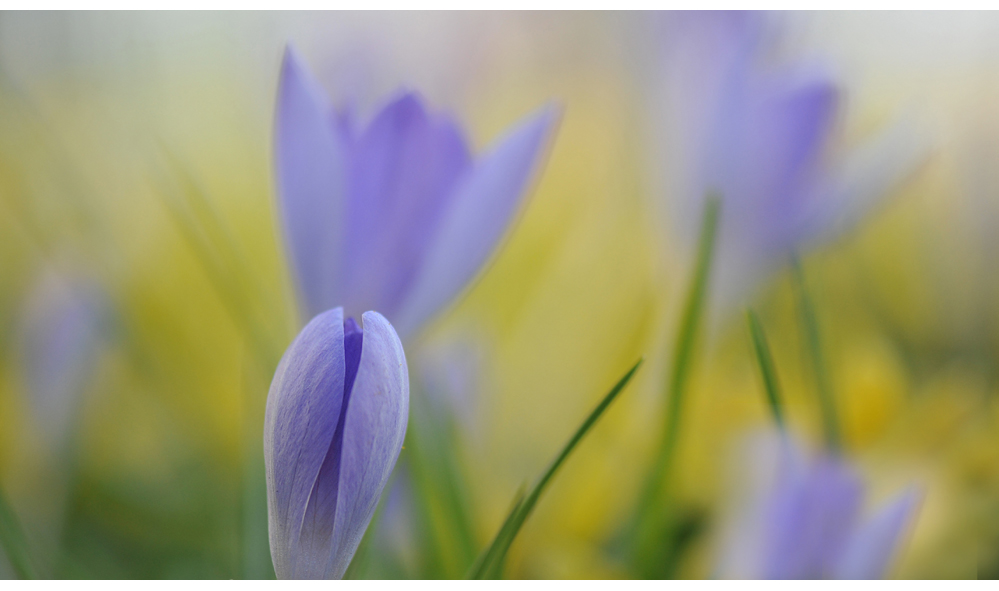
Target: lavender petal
(374, 429)
(485, 202)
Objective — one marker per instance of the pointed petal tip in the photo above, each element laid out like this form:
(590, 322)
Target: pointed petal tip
(878, 542)
(488, 198)
(537, 132)
(555, 110)
(292, 64)
(296, 77)
(291, 58)
(375, 319)
(406, 103)
(547, 119)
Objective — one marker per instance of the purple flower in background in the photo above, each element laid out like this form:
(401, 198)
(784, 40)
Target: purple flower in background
(63, 328)
(800, 518)
(450, 373)
(334, 425)
(397, 216)
(762, 135)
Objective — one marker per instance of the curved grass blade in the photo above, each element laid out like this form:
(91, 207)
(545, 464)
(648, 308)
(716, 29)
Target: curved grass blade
(767, 370)
(489, 565)
(14, 543)
(810, 324)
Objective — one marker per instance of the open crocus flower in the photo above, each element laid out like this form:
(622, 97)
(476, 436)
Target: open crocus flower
(397, 216)
(334, 425)
(800, 518)
(761, 136)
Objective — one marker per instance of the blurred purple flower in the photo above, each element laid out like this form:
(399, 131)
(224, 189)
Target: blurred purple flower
(398, 216)
(761, 135)
(450, 375)
(800, 518)
(334, 425)
(63, 327)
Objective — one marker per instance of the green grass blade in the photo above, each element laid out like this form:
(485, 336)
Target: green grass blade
(490, 562)
(14, 542)
(767, 370)
(684, 349)
(813, 342)
(643, 531)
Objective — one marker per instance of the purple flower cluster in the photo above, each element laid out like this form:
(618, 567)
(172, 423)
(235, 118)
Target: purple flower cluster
(396, 216)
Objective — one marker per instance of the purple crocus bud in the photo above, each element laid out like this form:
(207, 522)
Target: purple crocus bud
(395, 216)
(762, 134)
(334, 425)
(63, 328)
(800, 517)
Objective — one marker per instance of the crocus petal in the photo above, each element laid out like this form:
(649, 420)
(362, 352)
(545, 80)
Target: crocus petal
(374, 429)
(770, 133)
(404, 167)
(795, 517)
(315, 539)
(311, 173)
(789, 146)
(767, 161)
(811, 516)
(861, 180)
(63, 326)
(732, 120)
(870, 549)
(485, 202)
(303, 409)
(761, 460)
(764, 155)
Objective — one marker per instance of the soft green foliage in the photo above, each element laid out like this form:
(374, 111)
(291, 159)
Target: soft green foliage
(439, 483)
(813, 341)
(14, 544)
(767, 370)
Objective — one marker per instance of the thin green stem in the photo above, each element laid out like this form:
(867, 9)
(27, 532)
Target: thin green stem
(489, 565)
(682, 354)
(813, 342)
(767, 370)
(14, 542)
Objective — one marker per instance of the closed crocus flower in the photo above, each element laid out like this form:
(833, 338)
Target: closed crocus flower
(334, 425)
(64, 328)
(395, 216)
(762, 135)
(800, 517)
